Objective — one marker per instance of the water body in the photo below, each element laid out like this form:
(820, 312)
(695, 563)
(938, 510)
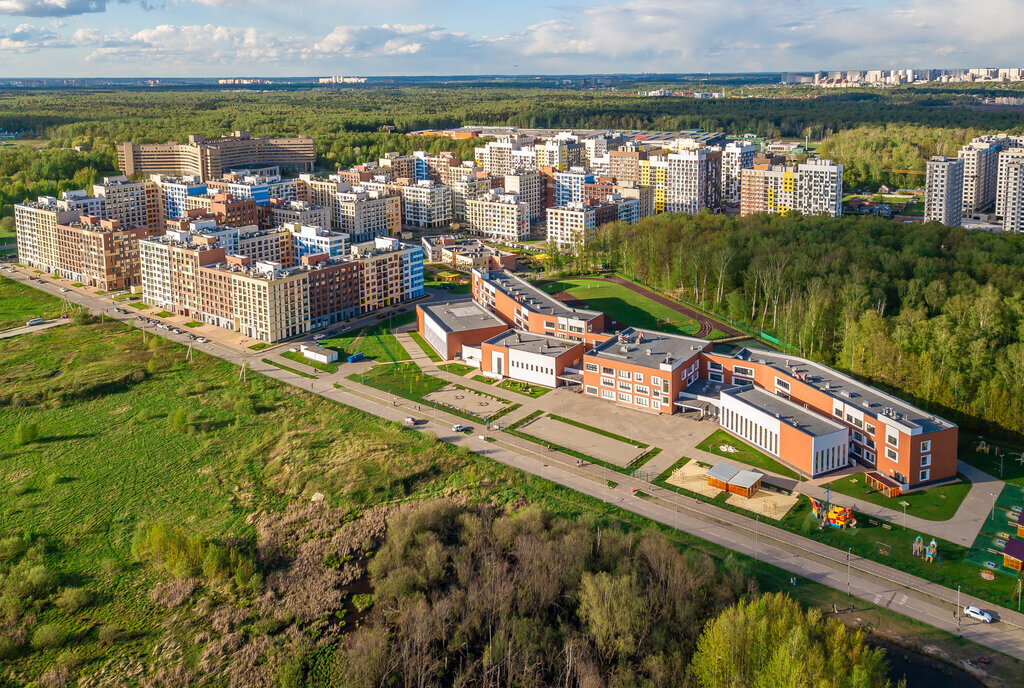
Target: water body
(922, 670)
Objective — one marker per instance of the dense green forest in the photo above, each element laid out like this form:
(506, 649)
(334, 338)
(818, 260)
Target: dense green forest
(932, 311)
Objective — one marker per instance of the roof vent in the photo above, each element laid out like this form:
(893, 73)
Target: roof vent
(648, 352)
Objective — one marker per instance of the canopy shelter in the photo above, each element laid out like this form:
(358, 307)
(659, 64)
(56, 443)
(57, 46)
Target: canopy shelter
(728, 478)
(883, 483)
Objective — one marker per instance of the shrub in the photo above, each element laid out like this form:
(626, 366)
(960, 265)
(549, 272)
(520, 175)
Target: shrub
(57, 677)
(48, 636)
(28, 580)
(179, 420)
(12, 548)
(362, 602)
(26, 433)
(73, 599)
(109, 634)
(8, 648)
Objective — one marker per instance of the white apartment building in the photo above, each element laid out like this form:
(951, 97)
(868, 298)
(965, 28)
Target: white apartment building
(35, 227)
(498, 216)
(310, 240)
(466, 187)
(427, 204)
(128, 201)
(529, 186)
(1004, 179)
(981, 170)
(1012, 196)
(365, 214)
(300, 212)
(570, 186)
(692, 180)
(736, 156)
(173, 192)
(570, 226)
(944, 186)
(820, 187)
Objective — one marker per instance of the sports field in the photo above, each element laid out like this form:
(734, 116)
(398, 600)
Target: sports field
(626, 307)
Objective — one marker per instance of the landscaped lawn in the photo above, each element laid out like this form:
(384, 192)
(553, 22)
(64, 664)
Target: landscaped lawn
(196, 323)
(20, 303)
(524, 388)
(745, 454)
(299, 358)
(934, 503)
(626, 307)
(457, 368)
(404, 379)
(258, 346)
(375, 341)
(140, 305)
(1007, 468)
(484, 379)
(427, 349)
(164, 314)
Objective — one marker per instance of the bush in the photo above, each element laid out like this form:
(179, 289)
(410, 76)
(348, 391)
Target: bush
(26, 433)
(12, 548)
(73, 599)
(48, 636)
(179, 420)
(28, 580)
(362, 602)
(8, 648)
(109, 634)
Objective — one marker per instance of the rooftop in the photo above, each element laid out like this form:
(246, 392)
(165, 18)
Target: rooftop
(460, 316)
(872, 401)
(532, 343)
(648, 348)
(1014, 548)
(533, 298)
(786, 411)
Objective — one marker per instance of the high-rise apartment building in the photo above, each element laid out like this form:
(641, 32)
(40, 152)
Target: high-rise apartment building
(571, 226)
(944, 187)
(211, 158)
(981, 169)
(101, 253)
(1004, 179)
(131, 203)
(35, 227)
(366, 214)
(1012, 196)
(174, 190)
(812, 188)
(280, 212)
(309, 241)
(529, 186)
(225, 208)
(736, 157)
(570, 185)
(426, 204)
(685, 182)
(498, 216)
(258, 187)
(467, 187)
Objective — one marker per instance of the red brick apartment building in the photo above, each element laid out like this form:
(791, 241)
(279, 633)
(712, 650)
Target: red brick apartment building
(101, 253)
(523, 306)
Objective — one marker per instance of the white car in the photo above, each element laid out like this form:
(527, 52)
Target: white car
(65, 289)
(318, 337)
(202, 340)
(459, 428)
(978, 614)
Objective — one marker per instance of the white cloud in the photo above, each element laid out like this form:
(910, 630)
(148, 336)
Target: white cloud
(51, 8)
(27, 39)
(385, 40)
(206, 43)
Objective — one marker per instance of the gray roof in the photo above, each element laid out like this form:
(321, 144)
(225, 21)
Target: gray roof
(707, 388)
(533, 298)
(460, 316)
(786, 411)
(746, 479)
(533, 343)
(868, 399)
(723, 471)
(648, 348)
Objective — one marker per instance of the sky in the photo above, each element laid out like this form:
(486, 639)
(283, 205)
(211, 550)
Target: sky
(278, 38)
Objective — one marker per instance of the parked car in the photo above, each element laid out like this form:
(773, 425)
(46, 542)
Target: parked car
(318, 337)
(192, 336)
(975, 613)
(176, 331)
(34, 321)
(459, 428)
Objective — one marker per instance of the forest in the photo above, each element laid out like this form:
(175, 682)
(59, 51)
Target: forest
(934, 312)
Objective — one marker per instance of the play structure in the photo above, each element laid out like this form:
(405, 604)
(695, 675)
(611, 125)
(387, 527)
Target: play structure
(832, 514)
(928, 551)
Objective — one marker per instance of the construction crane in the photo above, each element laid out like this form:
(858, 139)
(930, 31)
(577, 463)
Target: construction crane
(905, 171)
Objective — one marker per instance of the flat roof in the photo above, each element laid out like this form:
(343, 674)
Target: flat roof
(786, 411)
(461, 316)
(648, 348)
(533, 343)
(723, 471)
(707, 388)
(1014, 548)
(844, 388)
(533, 298)
(746, 478)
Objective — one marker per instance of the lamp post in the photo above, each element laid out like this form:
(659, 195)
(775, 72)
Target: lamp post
(904, 503)
(849, 553)
(757, 519)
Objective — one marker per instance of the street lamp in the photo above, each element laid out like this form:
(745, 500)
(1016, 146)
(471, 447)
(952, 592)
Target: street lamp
(849, 553)
(757, 519)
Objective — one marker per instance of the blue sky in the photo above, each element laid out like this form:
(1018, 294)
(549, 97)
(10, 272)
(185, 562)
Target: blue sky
(407, 37)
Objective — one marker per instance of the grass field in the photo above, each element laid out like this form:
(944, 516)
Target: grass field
(282, 366)
(375, 341)
(524, 388)
(484, 379)
(457, 368)
(623, 305)
(427, 349)
(745, 454)
(299, 358)
(20, 303)
(935, 503)
(404, 379)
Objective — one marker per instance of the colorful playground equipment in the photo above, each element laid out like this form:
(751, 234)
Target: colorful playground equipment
(833, 514)
(927, 551)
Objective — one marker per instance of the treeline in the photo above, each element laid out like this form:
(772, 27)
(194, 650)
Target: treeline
(934, 312)
(26, 173)
(870, 154)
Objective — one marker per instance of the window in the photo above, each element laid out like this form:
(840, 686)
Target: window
(592, 390)
(837, 412)
(646, 391)
(869, 457)
(625, 386)
(655, 380)
(625, 374)
(628, 398)
(926, 445)
(714, 366)
(869, 428)
(742, 370)
(926, 460)
(641, 401)
(857, 437)
(591, 367)
(638, 377)
(891, 454)
(608, 394)
(925, 474)
(781, 384)
(715, 377)
(893, 439)
(605, 370)
(607, 382)
(655, 404)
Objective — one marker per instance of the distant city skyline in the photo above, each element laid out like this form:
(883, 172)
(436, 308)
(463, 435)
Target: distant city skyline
(226, 38)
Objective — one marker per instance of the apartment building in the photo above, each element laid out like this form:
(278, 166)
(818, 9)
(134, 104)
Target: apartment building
(210, 158)
(309, 241)
(529, 186)
(101, 253)
(1011, 196)
(275, 245)
(642, 369)
(260, 188)
(364, 214)
(812, 188)
(426, 204)
(736, 157)
(324, 193)
(131, 203)
(399, 166)
(570, 185)
(572, 226)
(522, 306)
(169, 267)
(506, 155)
(467, 187)
(981, 170)
(624, 165)
(174, 190)
(225, 208)
(269, 303)
(499, 216)
(944, 187)
(280, 212)
(1005, 179)
(606, 187)
(35, 227)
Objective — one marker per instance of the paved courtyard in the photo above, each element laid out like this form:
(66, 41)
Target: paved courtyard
(584, 441)
(468, 401)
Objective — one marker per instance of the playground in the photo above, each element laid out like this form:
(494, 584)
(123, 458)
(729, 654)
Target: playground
(466, 400)
(692, 476)
(1001, 524)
